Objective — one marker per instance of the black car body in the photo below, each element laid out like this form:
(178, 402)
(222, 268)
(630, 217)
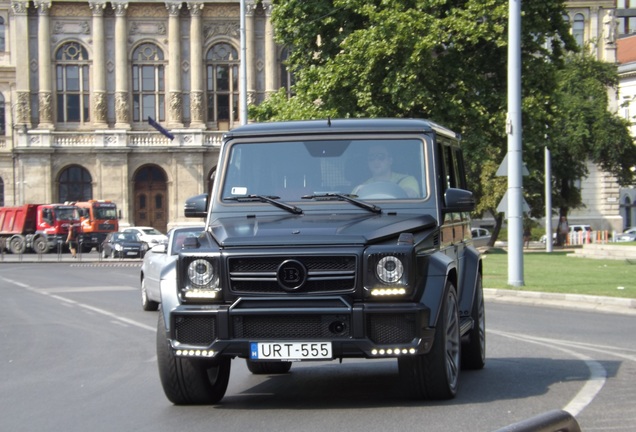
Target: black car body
(303, 259)
(123, 245)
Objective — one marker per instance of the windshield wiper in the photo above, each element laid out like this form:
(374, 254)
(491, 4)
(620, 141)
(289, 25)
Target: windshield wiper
(344, 197)
(272, 199)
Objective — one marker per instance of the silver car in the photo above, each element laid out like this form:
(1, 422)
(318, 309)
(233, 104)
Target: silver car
(159, 265)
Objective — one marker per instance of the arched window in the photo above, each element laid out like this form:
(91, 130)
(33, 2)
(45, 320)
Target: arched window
(75, 184)
(578, 29)
(2, 35)
(3, 128)
(627, 222)
(287, 79)
(72, 77)
(148, 82)
(222, 75)
(1, 192)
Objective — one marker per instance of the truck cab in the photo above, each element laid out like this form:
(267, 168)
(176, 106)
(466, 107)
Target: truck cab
(98, 218)
(327, 240)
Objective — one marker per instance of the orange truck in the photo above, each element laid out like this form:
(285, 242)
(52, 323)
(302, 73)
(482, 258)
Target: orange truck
(36, 227)
(97, 219)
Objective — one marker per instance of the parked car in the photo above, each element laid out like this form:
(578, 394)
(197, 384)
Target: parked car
(481, 236)
(159, 266)
(628, 235)
(148, 234)
(123, 245)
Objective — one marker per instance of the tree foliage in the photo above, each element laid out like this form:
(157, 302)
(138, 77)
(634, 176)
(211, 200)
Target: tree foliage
(447, 60)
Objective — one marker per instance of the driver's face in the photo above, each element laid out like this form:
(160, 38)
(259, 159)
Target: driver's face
(379, 161)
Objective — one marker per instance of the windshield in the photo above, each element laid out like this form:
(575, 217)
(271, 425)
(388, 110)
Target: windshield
(363, 168)
(67, 213)
(106, 212)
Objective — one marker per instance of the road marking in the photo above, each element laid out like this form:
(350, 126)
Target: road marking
(598, 374)
(60, 290)
(88, 307)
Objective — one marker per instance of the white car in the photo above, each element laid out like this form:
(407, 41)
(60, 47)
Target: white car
(628, 235)
(147, 234)
(159, 265)
(481, 236)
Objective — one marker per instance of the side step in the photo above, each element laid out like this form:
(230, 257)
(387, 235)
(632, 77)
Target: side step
(465, 325)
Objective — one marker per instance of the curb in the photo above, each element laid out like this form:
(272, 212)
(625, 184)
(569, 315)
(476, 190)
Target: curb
(567, 301)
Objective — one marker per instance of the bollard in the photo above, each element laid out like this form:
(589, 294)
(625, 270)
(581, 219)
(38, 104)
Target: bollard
(551, 421)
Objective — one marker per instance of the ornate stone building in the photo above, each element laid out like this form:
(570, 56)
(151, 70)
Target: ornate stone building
(79, 80)
(594, 25)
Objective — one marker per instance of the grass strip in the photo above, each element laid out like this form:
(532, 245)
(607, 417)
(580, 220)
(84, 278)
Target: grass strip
(556, 272)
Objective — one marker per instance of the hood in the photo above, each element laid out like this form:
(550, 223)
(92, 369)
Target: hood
(315, 229)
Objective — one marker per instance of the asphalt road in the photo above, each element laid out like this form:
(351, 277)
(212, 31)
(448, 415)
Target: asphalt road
(78, 354)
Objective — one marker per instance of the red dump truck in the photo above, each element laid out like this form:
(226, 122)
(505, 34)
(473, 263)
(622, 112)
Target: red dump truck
(36, 227)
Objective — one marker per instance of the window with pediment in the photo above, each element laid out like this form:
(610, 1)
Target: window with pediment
(72, 83)
(148, 83)
(578, 29)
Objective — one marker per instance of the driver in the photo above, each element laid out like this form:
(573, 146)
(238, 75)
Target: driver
(380, 162)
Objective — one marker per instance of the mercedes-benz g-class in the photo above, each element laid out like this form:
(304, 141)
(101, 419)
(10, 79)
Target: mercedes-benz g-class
(328, 240)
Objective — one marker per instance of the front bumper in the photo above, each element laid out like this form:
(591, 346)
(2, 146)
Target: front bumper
(367, 330)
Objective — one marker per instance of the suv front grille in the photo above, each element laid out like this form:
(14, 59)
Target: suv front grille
(325, 274)
(391, 328)
(294, 327)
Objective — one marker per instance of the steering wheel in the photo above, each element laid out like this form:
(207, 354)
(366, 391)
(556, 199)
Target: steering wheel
(381, 190)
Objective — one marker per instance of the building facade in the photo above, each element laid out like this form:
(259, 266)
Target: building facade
(626, 46)
(79, 81)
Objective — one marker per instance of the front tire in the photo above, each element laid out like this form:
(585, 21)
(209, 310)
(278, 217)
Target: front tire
(474, 350)
(268, 368)
(146, 303)
(435, 375)
(190, 381)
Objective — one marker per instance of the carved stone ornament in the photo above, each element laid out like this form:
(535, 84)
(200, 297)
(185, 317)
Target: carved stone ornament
(99, 107)
(20, 7)
(176, 103)
(196, 106)
(45, 107)
(195, 8)
(24, 108)
(173, 9)
(121, 107)
(97, 8)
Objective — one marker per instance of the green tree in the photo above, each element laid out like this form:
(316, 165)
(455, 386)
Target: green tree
(447, 60)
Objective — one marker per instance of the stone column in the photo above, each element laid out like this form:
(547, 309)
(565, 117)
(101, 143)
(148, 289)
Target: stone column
(23, 104)
(44, 65)
(122, 104)
(250, 9)
(98, 86)
(175, 97)
(197, 119)
(271, 54)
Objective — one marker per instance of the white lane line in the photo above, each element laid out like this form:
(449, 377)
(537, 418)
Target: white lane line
(82, 305)
(596, 381)
(60, 290)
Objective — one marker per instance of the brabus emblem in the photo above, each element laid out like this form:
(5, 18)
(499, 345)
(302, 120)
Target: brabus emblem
(291, 275)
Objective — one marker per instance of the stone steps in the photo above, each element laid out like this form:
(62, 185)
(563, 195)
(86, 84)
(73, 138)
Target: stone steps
(606, 251)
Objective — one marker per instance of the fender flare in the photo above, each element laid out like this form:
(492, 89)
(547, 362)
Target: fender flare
(472, 271)
(439, 270)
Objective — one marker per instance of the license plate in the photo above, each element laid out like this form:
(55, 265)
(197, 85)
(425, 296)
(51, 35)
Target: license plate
(290, 350)
(131, 253)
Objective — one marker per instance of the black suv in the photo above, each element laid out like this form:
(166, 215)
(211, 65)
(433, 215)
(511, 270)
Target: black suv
(327, 240)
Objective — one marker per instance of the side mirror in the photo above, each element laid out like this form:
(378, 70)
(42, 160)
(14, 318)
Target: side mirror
(196, 206)
(459, 200)
(160, 248)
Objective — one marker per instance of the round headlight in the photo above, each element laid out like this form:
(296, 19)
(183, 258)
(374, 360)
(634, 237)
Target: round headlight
(390, 269)
(201, 272)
